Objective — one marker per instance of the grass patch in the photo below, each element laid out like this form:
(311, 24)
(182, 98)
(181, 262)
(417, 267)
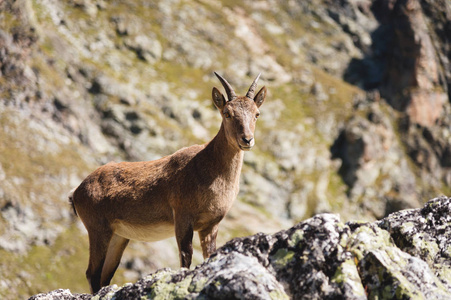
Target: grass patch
(9, 21)
(46, 268)
(31, 159)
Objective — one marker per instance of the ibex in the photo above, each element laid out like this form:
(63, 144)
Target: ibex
(190, 190)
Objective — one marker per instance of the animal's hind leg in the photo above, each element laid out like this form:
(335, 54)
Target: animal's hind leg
(98, 246)
(113, 257)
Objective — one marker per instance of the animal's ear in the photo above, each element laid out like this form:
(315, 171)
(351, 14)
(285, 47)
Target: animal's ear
(218, 98)
(260, 97)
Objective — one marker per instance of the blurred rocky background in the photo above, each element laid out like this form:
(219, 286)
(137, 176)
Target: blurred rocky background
(357, 120)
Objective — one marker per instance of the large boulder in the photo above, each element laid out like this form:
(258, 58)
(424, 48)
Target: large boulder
(405, 255)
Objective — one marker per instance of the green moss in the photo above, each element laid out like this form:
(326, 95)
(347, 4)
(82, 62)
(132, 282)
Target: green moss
(296, 105)
(45, 268)
(182, 77)
(181, 288)
(428, 249)
(47, 46)
(49, 73)
(198, 285)
(296, 238)
(278, 294)
(407, 227)
(445, 190)
(340, 103)
(347, 274)
(336, 190)
(282, 257)
(364, 239)
(40, 12)
(406, 292)
(443, 272)
(233, 3)
(163, 288)
(377, 255)
(8, 21)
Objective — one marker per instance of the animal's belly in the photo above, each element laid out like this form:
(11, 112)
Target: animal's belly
(144, 233)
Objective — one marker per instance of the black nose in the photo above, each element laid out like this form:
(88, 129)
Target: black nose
(247, 141)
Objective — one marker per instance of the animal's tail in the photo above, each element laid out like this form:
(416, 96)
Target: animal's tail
(71, 200)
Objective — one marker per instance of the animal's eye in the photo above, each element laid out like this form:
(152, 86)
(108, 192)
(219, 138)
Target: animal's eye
(227, 115)
(257, 115)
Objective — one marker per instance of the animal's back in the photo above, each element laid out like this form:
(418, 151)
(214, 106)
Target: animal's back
(145, 188)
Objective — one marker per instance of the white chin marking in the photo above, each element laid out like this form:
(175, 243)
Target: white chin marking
(245, 148)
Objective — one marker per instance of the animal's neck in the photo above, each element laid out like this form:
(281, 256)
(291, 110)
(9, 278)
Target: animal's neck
(227, 158)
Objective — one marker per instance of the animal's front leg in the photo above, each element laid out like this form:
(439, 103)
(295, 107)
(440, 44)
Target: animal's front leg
(208, 240)
(184, 236)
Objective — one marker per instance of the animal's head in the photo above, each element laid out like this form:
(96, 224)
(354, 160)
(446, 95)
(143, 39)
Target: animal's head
(239, 113)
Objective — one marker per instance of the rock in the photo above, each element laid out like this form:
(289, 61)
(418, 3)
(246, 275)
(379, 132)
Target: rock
(146, 48)
(408, 62)
(402, 256)
(22, 224)
(318, 91)
(426, 107)
(370, 152)
(62, 294)
(414, 69)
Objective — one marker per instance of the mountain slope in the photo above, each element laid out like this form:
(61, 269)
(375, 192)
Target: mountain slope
(85, 82)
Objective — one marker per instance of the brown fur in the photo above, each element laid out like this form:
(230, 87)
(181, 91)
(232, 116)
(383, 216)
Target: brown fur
(190, 190)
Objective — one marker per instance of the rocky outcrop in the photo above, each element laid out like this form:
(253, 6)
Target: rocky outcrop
(403, 256)
(373, 165)
(406, 63)
(418, 80)
(406, 54)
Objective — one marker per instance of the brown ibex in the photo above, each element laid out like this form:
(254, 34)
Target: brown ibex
(190, 190)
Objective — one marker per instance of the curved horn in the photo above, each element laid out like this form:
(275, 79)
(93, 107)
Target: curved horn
(251, 92)
(228, 88)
